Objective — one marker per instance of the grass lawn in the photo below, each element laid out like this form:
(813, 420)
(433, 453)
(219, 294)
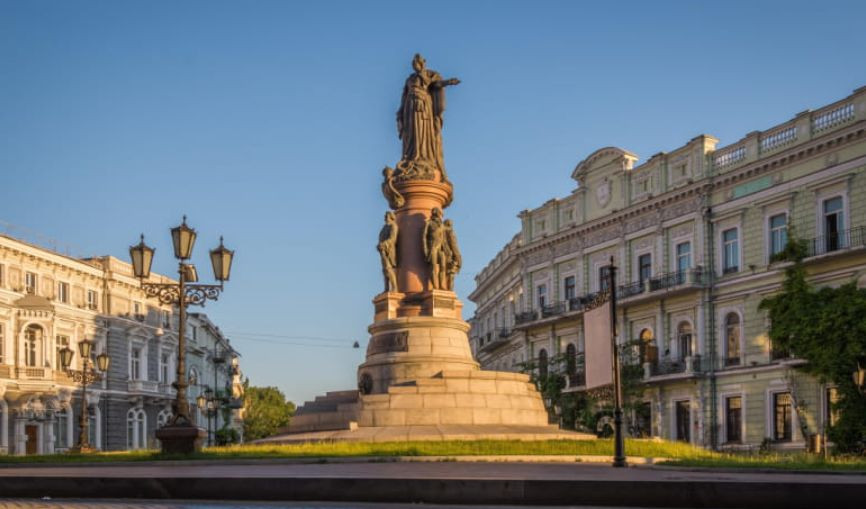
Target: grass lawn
(679, 454)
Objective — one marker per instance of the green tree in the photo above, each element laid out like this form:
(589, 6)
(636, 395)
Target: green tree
(827, 327)
(266, 411)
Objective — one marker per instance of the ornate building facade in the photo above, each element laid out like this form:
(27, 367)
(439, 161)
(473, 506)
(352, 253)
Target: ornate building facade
(49, 301)
(695, 233)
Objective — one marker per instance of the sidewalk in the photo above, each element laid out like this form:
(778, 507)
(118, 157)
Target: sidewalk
(441, 483)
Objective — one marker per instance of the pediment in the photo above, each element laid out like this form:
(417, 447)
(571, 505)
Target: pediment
(34, 303)
(604, 160)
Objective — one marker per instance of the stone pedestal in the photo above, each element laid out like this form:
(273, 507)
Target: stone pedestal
(180, 439)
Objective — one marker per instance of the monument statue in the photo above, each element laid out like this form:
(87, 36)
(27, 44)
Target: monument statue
(388, 251)
(419, 123)
(395, 199)
(454, 258)
(436, 250)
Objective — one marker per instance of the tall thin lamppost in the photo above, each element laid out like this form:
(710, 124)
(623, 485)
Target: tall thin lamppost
(180, 435)
(85, 376)
(618, 439)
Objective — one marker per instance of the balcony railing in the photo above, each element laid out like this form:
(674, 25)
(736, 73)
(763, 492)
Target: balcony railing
(142, 386)
(846, 239)
(525, 317)
(553, 309)
(631, 289)
(668, 367)
(504, 332)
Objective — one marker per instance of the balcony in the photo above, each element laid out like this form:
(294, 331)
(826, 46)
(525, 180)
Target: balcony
(684, 366)
(553, 310)
(855, 238)
(631, 289)
(525, 317)
(496, 340)
(142, 386)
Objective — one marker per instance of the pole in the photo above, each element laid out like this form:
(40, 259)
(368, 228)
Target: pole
(618, 441)
(182, 406)
(84, 421)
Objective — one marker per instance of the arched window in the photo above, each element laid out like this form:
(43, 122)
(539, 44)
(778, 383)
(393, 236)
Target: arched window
(647, 349)
(684, 337)
(136, 429)
(571, 360)
(162, 418)
(32, 345)
(732, 339)
(542, 363)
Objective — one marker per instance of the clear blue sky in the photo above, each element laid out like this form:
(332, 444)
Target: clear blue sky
(270, 121)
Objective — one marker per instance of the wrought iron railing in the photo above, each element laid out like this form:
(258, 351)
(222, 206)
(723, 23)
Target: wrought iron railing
(525, 317)
(846, 239)
(504, 332)
(631, 289)
(553, 309)
(669, 367)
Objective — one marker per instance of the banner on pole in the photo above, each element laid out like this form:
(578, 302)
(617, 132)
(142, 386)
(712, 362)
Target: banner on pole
(597, 342)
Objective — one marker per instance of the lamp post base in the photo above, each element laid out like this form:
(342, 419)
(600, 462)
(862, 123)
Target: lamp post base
(180, 439)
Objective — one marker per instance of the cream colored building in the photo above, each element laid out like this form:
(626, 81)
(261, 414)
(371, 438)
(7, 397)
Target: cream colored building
(49, 301)
(693, 232)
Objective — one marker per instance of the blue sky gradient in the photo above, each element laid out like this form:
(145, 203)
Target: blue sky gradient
(269, 122)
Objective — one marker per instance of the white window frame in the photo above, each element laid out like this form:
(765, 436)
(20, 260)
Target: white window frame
(142, 367)
(723, 411)
(692, 422)
(838, 190)
(723, 333)
(675, 348)
(770, 408)
(138, 418)
(723, 250)
(769, 231)
(63, 292)
(636, 263)
(58, 365)
(92, 299)
(675, 253)
(566, 276)
(539, 294)
(31, 287)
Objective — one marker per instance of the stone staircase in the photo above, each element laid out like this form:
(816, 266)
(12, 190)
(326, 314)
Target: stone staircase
(333, 411)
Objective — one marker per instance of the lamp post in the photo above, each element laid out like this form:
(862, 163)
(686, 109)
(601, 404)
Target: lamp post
(619, 459)
(86, 376)
(179, 435)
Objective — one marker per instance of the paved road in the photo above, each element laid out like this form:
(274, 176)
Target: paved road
(126, 504)
(411, 470)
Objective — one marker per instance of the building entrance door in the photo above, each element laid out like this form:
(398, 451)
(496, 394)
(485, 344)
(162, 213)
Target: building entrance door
(32, 433)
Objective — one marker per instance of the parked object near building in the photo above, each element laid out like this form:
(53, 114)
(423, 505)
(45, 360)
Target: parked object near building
(49, 302)
(697, 233)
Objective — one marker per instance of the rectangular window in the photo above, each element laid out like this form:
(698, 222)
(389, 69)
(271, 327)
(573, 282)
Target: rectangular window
(734, 419)
(731, 251)
(683, 412)
(569, 288)
(603, 278)
(30, 282)
(166, 318)
(63, 292)
(684, 256)
(60, 429)
(645, 267)
(163, 367)
(542, 296)
(135, 364)
(778, 233)
(782, 416)
(833, 224)
(61, 342)
(92, 299)
(195, 333)
(138, 310)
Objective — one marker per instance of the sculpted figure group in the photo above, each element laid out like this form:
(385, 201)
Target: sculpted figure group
(441, 251)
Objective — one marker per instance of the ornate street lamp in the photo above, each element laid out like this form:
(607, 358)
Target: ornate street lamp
(179, 435)
(86, 376)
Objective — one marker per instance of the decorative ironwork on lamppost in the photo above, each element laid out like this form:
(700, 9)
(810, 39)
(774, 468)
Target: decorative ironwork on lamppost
(180, 435)
(85, 376)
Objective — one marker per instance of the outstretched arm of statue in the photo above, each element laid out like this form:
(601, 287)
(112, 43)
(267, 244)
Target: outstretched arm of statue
(448, 82)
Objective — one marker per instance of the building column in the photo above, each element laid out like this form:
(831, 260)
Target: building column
(700, 331)
(20, 436)
(4, 427)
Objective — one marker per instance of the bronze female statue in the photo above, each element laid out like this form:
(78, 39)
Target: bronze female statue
(419, 123)
(388, 251)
